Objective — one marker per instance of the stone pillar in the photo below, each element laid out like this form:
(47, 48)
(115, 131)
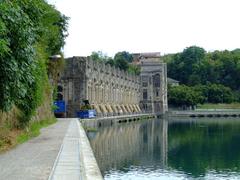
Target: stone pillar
(93, 94)
(97, 94)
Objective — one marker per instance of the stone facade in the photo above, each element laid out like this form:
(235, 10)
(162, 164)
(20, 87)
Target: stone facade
(153, 86)
(109, 90)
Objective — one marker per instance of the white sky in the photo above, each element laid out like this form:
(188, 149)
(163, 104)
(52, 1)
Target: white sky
(166, 26)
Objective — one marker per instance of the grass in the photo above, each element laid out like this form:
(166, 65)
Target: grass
(219, 106)
(34, 130)
(90, 129)
(9, 138)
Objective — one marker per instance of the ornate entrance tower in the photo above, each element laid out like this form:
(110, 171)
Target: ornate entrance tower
(153, 84)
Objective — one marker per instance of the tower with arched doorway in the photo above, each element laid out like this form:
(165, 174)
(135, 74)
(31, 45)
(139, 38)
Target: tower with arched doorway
(153, 85)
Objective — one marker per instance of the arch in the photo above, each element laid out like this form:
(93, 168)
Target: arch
(156, 80)
(59, 88)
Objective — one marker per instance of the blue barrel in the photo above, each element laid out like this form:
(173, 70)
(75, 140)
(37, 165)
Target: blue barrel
(61, 108)
(86, 114)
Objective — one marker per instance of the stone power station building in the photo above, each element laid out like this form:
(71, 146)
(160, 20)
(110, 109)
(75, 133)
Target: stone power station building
(111, 91)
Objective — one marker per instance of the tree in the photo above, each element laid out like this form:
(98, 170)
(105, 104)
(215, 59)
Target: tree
(218, 93)
(194, 66)
(28, 36)
(101, 57)
(122, 59)
(184, 95)
(124, 55)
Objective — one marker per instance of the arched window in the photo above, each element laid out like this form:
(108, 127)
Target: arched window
(59, 88)
(156, 80)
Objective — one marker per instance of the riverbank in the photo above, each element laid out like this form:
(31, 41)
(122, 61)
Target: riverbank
(219, 106)
(10, 138)
(205, 113)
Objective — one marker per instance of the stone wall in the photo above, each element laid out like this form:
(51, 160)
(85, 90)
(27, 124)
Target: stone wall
(111, 91)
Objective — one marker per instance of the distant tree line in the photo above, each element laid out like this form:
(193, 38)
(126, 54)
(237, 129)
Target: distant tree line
(205, 76)
(122, 60)
(199, 94)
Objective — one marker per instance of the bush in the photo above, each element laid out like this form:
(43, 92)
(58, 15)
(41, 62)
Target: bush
(216, 93)
(30, 31)
(211, 93)
(184, 95)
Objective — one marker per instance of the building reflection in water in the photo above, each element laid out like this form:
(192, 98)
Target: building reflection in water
(134, 144)
(193, 148)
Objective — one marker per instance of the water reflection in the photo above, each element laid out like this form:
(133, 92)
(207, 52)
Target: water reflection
(163, 149)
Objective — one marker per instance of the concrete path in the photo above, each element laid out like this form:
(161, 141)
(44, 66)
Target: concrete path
(34, 159)
(67, 164)
(75, 160)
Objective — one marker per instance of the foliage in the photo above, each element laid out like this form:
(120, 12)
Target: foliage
(124, 55)
(195, 66)
(30, 31)
(134, 69)
(86, 105)
(99, 56)
(216, 93)
(121, 60)
(10, 137)
(184, 95)
(34, 130)
(211, 93)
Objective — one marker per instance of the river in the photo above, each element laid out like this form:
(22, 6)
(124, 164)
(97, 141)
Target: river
(169, 149)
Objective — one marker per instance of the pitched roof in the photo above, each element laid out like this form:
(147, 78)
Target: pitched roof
(170, 80)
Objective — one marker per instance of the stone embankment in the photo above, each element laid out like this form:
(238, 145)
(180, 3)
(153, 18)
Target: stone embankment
(109, 121)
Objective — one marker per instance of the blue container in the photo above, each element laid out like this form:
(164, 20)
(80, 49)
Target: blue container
(86, 114)
(61, 108)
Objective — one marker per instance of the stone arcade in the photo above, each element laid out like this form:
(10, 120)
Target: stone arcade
(111, 91)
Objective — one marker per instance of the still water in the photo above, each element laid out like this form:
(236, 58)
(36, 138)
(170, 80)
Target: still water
(169, 149)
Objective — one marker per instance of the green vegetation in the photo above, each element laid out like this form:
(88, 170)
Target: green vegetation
(214, 75)
(30, 32)
(184, 95)
(199, 94)
(86, 105)
(122, 60)
(11, 137)
(34, 130)
(90, 129)
(219, 106)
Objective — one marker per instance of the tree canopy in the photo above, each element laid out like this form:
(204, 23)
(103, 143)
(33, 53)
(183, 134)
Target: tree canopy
(122, 60)
(216, 74)
(195, 66)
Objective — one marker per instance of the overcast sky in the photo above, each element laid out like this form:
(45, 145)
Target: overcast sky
(166, 26)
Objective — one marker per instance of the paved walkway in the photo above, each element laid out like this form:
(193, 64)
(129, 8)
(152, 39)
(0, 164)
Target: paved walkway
(34, 159)
(67, 164)
(75, 160)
